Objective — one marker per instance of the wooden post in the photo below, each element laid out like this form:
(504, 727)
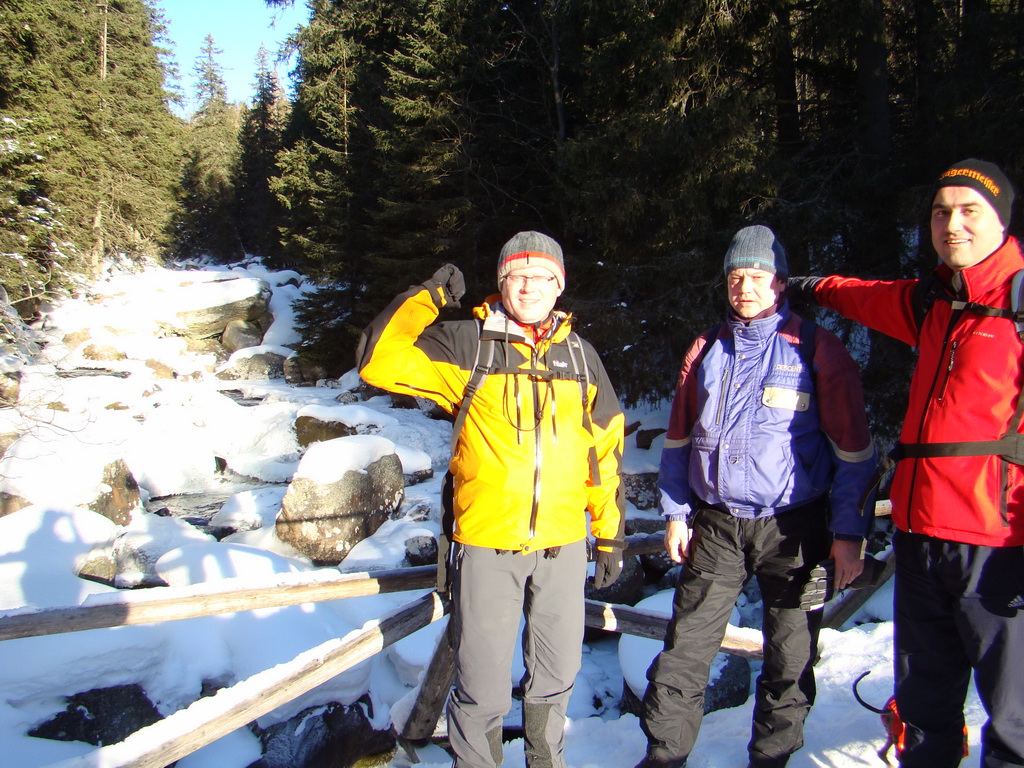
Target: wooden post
(434, 689)
(102, 5)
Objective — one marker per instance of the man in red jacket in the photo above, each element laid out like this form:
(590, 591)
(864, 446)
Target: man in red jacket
(958, 492)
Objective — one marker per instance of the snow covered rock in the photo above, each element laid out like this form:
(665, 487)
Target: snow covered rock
(68, 463)
(310, 429)
(205, 308)
(259, 362)
(240, 334)
(343, 491)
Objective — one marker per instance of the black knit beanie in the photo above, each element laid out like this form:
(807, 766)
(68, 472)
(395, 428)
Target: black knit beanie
(985, 178)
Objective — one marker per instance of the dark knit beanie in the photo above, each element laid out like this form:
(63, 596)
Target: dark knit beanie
(984, 177)
(529, 249)
(757, 247)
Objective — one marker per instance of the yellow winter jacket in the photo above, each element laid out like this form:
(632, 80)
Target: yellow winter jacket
(522, 464)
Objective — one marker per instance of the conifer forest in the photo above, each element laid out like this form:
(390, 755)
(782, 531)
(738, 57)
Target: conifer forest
(639, 133)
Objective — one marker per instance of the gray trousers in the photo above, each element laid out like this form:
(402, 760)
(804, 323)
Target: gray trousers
(490, 591)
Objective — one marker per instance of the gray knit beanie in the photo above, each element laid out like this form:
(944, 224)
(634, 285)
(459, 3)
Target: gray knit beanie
(532, 249)
(757, 247)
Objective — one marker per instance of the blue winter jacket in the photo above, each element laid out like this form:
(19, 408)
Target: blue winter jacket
(753, 431)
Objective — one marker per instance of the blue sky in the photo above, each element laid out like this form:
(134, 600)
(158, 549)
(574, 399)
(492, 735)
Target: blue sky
(238, 28)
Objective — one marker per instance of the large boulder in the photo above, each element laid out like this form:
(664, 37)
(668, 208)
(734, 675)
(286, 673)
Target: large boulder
(641, 489)
(335, 735)
(208, 307)
(117, 494)
(254, 363)
(342, 492)
(312, 429)
(100, 716)
(241, 334)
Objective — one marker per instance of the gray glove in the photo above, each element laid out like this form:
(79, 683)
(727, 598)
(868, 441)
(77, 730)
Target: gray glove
(449, 284)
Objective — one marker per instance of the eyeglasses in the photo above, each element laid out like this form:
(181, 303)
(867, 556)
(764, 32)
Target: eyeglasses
(519, 281)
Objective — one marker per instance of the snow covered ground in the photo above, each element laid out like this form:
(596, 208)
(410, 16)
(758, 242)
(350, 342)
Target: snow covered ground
(168, 432)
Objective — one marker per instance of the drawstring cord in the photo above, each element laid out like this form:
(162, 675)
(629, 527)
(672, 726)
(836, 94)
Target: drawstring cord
(538, 416)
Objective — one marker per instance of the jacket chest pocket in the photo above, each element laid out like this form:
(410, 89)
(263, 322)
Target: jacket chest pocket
(786, 398)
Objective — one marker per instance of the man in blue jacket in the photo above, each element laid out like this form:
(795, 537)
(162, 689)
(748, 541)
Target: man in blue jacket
(766, 457)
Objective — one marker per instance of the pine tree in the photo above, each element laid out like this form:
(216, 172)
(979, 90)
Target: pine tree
(423, 209)
(257, 209)
(85, 90)
(207, 223)
(329, 173)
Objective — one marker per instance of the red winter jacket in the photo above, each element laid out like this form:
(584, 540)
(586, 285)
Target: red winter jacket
(965, 386)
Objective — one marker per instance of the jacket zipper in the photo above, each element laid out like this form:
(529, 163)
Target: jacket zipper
(537, 450)
(949, 370)
(721, 397)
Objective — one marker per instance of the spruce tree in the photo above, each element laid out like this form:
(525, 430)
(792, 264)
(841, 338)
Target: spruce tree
(83, 89)
(257, 209)
(206, 225)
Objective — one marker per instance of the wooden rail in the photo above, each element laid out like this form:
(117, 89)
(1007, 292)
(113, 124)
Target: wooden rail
(158, 604)
(208, 719)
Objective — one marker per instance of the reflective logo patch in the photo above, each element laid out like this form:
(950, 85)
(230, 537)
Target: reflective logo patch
(788, 399)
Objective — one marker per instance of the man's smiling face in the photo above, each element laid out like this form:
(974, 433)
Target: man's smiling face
(965, 228)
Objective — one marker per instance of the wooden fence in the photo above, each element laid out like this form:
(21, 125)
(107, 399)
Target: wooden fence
(210, 718)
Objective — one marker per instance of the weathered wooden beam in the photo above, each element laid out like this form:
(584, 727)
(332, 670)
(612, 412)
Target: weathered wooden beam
(226, 596)
(839, 611)
(651, 624)
(159, 604)
(434, 688)
(208, 719)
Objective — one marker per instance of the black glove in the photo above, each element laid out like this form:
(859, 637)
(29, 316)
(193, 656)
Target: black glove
(800, 291)
(820, 586)
(607, 566)
(449, 283)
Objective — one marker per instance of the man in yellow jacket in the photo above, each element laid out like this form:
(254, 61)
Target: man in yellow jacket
(538, 448)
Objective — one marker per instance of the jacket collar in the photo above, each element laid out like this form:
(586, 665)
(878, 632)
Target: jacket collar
(498, 324)
(761, 329)
(990, 273)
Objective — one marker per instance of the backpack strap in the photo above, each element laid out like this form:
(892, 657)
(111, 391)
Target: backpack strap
(929, 289)
(925, 292)
(807, 340)
(482, 363)
(575, 343)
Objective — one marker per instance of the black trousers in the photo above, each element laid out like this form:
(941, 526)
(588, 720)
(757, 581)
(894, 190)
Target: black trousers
(954, 615)
(724, 553)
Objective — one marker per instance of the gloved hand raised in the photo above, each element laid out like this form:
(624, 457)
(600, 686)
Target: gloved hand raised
(800, 290)
(607, 564)
(449, 283)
